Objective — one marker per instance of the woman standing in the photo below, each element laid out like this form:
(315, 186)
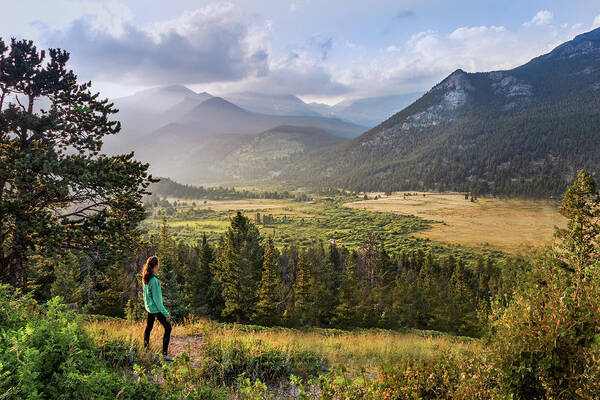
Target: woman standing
(153, 302)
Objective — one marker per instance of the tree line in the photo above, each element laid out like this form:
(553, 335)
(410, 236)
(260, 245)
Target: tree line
(244, 278)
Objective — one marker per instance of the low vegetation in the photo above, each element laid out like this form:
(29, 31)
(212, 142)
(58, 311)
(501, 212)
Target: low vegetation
(508, 224)
(341, 303)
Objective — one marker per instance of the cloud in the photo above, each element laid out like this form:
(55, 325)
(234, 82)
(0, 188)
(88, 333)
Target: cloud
(596, 23)
(323, 45)
(405, 14)
(208, 44)
(543, 17)
(427, 57)
(297, 72)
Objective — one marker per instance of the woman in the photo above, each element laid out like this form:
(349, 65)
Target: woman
(153, 302)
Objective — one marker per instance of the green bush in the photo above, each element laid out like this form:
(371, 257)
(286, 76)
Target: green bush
(46, 354)
(226, 360)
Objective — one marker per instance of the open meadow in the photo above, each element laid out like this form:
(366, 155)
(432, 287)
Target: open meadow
(510, 225)
(433, 220)
(220, 352)
(294, 222)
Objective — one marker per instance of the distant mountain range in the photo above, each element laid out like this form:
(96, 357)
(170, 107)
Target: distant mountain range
(367, 111)
(524, 131)
(199, 138)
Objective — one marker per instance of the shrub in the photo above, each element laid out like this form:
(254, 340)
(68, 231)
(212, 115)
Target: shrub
(546, 342)
(227, 359)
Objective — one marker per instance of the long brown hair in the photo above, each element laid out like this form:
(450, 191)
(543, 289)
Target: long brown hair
(148, 270)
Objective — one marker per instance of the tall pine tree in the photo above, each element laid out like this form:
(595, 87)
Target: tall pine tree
(268, 308)
(240, 267)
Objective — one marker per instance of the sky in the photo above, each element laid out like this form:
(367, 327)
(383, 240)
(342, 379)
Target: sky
(319, 50)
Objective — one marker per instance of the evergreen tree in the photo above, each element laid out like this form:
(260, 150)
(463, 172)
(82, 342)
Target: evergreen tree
(239, 268)
(57, 192)
(346, 312)
(66, 282)
(578, 241)
(203, 293)
(303, 294)
(545, 343)
(169, 264)
(268, 308)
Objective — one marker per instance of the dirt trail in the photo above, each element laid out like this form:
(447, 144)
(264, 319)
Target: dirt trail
(190, 344)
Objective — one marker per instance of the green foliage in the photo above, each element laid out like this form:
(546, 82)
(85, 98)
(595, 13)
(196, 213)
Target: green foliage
(66, 283)
(227, 359)
(134, 309)
(56, 191)
(240, 268)
(269, 305)
(49, 356)
(171, 189)
(545, 343)
(171, 269)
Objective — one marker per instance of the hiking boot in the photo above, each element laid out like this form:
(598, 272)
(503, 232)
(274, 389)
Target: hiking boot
(167, 358)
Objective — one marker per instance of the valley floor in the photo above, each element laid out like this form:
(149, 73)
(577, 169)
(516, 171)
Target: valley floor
(510, 225)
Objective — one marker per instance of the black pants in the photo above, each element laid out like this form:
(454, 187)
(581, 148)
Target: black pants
(150, 325)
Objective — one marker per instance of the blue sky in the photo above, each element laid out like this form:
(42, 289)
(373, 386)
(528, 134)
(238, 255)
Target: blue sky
(319, 50)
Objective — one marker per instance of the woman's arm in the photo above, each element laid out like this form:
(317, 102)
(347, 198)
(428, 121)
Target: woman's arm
(158, 299)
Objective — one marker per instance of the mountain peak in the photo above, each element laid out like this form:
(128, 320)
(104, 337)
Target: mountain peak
(593, 35)
(456, 81)
(178, 89)
(584, 44)
(220, 103)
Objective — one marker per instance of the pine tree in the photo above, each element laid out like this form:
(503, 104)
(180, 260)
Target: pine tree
(203, 295)
(57, 191)
(66, 282)
(268, 308)
(578, 241)
(303, 294)
(461, 315)
(169, 264)
(240, 268)
(346, 313)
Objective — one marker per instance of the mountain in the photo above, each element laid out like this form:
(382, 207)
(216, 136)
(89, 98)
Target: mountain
(271, 151)
(187, 135)
(217, 115)
(522, 132)
(368, 111)
(151, 107)
(184, 155)
(274, 104)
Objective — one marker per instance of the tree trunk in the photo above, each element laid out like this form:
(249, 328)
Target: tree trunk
(4, 269)
(16, 263)
(17, 271)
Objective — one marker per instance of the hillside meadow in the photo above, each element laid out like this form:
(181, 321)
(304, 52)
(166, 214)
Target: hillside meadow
(511, 225)
(218, 353)
(414, 219)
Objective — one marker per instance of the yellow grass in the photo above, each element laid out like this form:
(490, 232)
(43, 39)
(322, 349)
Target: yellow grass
(360, 349)
(510, 225)
(250, 204)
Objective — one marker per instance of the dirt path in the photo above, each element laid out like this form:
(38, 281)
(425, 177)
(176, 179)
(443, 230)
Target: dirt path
(190, 344)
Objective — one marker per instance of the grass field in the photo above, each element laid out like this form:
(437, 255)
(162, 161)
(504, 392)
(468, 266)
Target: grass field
(300, 223)
(510, 225)
(437, 221)
(368, 349)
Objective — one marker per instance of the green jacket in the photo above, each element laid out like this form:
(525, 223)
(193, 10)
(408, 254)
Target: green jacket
(153, 300)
